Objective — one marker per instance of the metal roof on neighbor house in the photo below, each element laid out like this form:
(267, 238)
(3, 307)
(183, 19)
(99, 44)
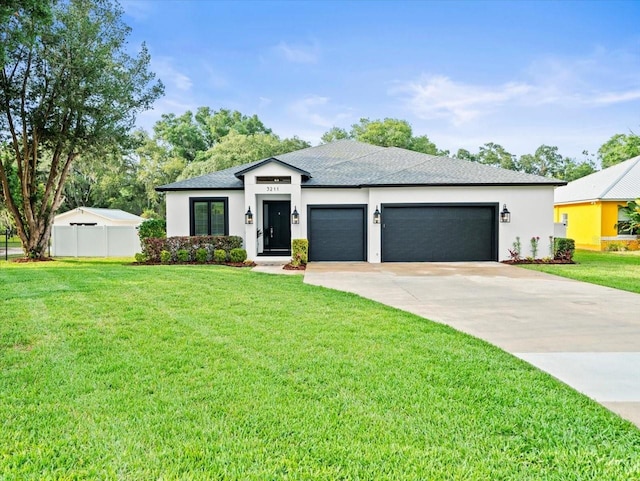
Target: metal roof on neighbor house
(618, 182)
(347, 163)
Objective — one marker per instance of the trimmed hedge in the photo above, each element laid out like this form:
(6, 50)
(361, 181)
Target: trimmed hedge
(220, 255)
(299, 252)
(563, 248)
(152, 228)
(153, 246)
(237, 255)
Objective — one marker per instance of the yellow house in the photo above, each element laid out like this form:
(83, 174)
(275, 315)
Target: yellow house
(589, 206)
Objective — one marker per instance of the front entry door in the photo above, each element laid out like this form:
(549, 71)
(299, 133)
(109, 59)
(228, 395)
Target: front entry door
(277, 228)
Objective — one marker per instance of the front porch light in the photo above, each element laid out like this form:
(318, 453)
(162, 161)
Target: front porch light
(248, 216)
(376, 216)
(295, 217)
(505, 215)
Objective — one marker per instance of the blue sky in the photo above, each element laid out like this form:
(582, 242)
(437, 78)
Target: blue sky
(520, 74)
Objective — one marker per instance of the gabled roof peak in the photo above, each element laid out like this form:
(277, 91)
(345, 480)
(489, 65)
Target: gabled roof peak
(248, 168)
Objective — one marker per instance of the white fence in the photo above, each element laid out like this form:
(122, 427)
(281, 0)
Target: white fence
(94, 241)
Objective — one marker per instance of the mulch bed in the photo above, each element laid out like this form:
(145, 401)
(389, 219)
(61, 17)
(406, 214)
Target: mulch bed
(194, 263)
(291, 267)
(538, 261)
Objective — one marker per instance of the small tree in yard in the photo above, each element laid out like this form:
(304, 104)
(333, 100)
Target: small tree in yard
(68, 89)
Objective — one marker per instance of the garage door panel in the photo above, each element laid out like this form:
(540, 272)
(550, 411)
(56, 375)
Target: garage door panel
(439, 233)
(337, 233)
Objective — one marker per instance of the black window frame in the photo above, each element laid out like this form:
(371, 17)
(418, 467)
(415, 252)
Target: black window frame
(209, 200)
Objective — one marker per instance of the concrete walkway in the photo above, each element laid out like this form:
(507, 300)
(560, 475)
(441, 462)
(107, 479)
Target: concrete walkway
(587, 336)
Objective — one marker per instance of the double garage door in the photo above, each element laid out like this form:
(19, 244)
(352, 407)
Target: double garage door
(439, 233)
(410, 233)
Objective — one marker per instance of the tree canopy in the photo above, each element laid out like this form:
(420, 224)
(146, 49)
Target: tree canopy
(619, 148)
(194, 144)
(385, 133)
(68, 91)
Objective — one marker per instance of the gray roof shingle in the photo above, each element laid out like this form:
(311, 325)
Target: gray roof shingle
(347, 163)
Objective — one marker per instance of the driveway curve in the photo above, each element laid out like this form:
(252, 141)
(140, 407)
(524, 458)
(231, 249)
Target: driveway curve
(587, 336)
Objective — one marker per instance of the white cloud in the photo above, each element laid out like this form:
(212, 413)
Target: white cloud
(598, 80)
(440, 97)
(170, 76)
(138, 9)
(299, 53)
(609, 98)
(213, 77)
(316, 110)
(264, 102)
(164, 105)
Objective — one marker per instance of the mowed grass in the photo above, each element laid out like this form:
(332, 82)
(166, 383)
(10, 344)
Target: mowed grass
(620, 270)
(112, 371)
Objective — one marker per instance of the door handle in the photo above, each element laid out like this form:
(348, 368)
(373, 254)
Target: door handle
(271, 232)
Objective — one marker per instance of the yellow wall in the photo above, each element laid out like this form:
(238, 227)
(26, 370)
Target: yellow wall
(588, 222)
(610, 217)
(583, 223)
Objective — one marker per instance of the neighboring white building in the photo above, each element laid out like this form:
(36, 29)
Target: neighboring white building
(94, 232)
(96, 216)
(430, 208)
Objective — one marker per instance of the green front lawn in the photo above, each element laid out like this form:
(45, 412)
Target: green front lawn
(204, 372)
(620, 270)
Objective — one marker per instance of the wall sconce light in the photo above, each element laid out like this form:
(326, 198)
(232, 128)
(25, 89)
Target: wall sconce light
(295, 217)
(248, 216)
(505, 215)
(376, 216)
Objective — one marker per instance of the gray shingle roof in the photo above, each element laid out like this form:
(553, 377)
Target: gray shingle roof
(618, 182)
(347, 163)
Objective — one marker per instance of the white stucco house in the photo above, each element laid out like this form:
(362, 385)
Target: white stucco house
(360, 202)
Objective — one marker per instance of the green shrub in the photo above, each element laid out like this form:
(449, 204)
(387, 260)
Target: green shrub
(220, 255)
(165, 257)
(182, 255)
(617, 247)
(152, 246)
(201, 255)
(299, 252)
(563, 248)
(153, 228)
(140, 258)
(237, 255)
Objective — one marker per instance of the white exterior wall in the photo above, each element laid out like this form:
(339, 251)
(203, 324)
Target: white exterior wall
(178, 210)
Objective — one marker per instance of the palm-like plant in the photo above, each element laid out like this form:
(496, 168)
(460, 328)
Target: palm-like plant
(632, 213)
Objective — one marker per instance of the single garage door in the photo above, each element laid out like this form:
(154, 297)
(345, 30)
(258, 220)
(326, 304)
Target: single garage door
(439, 233)
(337, 233)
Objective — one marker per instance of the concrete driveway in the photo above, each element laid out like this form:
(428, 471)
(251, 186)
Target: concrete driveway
(587, 336)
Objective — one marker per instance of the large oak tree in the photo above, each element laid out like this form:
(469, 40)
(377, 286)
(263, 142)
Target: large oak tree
(68, 89)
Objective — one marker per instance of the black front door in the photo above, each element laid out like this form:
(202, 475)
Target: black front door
(277, 228)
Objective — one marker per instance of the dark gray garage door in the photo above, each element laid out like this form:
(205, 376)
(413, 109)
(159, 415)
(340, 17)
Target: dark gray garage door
(337, 233)
(439, 233)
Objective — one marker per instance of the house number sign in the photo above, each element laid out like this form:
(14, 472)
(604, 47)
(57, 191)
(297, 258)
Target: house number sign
(273, 188)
